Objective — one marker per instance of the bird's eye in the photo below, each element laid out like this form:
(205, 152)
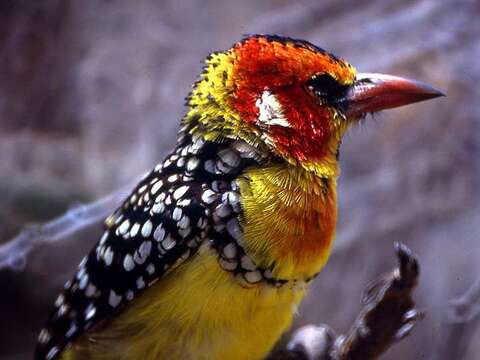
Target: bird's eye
(326, 87)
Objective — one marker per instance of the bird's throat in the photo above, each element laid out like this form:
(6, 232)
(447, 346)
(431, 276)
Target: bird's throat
(289, 219)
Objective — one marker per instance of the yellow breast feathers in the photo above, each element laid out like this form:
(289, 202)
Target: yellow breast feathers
(289, 219)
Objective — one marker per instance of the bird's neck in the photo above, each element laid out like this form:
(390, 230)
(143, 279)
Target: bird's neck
(288, 211)
(217, 124)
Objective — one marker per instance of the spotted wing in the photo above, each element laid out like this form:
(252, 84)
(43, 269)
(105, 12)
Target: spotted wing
(153, 231)
(158, 227)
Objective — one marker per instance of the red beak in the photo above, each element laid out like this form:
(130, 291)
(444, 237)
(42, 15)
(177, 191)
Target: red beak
(375, 92)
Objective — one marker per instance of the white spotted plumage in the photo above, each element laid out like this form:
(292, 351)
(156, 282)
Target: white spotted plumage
(178, 193)
(124, 227)
(90, 312)
(128, 263)
(114, 299)
(108, 256)
(156, 187)
(168, 243)
(177, 214)
(147, 228)
(189, 199)
(209, 196)
(134, 229)
(159, 233)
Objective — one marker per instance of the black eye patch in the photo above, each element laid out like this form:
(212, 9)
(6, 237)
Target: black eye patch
(327, 88)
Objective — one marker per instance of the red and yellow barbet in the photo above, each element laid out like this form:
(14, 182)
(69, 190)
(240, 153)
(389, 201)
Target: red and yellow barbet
(213, 251)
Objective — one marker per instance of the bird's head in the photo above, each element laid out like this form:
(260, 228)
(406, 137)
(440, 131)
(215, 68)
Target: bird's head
(293, 98)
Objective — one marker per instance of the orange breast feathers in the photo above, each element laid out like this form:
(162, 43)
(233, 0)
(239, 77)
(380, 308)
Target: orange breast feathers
(289, 219)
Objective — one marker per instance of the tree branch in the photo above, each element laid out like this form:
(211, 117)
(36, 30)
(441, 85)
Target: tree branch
(13, 253)
(388, 315)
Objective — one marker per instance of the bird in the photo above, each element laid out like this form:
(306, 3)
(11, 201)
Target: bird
(212, 252)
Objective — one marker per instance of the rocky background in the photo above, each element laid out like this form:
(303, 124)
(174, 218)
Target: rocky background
(90, 97)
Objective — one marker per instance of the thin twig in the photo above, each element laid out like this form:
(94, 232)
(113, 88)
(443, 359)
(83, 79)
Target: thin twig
(466, 307)
(460, 321)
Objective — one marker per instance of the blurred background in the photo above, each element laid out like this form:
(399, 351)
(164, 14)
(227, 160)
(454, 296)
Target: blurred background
(91, 93)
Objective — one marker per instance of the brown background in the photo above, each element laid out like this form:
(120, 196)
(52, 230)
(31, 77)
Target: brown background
(90, 97)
